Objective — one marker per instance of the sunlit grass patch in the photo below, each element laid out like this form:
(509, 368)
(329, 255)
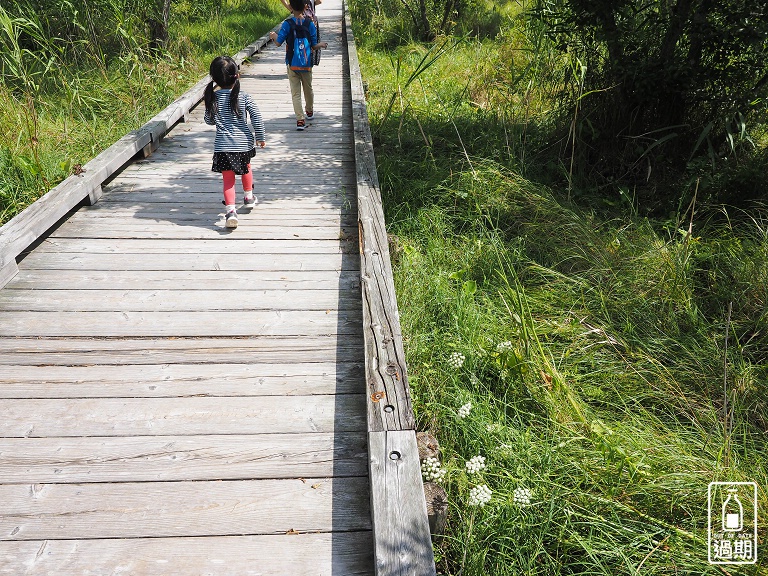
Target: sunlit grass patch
(581, 356)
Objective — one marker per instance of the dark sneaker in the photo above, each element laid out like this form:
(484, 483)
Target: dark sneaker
(300, 124)
(249, 201)
(310, 115)
(231, 219)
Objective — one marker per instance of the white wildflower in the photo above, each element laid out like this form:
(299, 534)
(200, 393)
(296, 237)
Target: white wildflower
(431, 470)
(456, 360)
(474, 380)
(479, 495)
(522, 496)
(475, 464)
(465, 410)
(504, 346)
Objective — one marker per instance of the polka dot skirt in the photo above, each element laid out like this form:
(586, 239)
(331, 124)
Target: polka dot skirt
(235, 161)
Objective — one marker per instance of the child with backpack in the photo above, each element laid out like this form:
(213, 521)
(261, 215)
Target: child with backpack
(229, 109)
(300, 34)
(310, 10)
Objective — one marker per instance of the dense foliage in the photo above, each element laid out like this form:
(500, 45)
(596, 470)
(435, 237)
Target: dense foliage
(663, 82)
(645, 97)
(588, 365)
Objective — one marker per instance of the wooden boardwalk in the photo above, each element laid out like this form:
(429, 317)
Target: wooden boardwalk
(177, 398)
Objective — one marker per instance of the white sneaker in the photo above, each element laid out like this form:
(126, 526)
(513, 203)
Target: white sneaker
(231, 219)
(249, 201)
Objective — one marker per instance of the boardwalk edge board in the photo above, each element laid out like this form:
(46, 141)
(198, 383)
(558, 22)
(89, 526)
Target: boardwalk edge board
(401, 537)
(34, 221)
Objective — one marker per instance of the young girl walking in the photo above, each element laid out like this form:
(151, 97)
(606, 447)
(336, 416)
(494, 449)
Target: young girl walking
(229, 109)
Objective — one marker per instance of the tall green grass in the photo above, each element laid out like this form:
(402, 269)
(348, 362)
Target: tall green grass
(588, 343)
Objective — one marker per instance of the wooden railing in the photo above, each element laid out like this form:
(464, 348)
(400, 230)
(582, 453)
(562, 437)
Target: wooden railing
(29, 225)
(402, 541)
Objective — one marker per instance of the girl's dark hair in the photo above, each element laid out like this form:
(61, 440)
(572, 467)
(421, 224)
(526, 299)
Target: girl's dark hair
(224, 74)
(297, 5)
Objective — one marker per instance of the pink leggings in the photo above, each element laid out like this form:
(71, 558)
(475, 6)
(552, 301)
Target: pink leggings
(229, 184)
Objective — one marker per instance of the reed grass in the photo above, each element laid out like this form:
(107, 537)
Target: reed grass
(587, 345)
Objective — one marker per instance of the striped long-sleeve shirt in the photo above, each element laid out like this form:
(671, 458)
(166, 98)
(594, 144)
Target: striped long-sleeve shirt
(233, 133)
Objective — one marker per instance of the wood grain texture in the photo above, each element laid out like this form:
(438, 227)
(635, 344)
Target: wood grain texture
(125, 380)
(189, 262)
(389, 407)
(162, 509)
(315, 554)
(178, 458)
(96, 300)
(153, 324)
(234, 280)
(27, 418)
(8, 270)
(301, 351)
(401, 537)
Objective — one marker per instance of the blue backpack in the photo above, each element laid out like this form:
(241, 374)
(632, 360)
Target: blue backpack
(299, 45)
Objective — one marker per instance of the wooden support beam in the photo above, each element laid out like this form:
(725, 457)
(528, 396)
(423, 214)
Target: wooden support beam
(8, 270)
(401, 532)
(95, 195)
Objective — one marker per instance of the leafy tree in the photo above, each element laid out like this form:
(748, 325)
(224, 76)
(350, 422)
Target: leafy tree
(671, 78)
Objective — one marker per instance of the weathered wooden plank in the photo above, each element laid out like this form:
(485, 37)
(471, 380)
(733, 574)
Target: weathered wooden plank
(172, 300)
(315, 554)
(261, 218)
(182, 458)
(170, 169)
(190, 262)
(124, 213)
(200, 279)
(128, 510)
(210, 202)
(332, 151)
(28, 418)
(309, 248)
(8, 270)
(249, 228)
(401, 538)
(229, 323)
(181, 380)
(211, 199)
(51, 352)
(270, 182)
(385, 357)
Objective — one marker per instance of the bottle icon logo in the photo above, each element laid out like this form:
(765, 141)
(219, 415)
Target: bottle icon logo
(733, 512)
(732, 527)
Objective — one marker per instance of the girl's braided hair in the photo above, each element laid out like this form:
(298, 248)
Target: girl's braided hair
(224, 72)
